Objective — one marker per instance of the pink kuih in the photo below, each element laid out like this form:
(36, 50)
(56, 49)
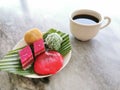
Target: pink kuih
(38, 47)
(26, 57)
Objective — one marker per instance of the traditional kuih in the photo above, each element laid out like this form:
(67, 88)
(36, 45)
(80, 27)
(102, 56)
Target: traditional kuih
(26, 57)
(38, 47)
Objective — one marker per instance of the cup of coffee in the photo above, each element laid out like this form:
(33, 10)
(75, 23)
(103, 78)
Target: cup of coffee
(85, 24)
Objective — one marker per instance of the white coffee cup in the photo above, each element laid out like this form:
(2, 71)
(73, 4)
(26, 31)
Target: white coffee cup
(84, 31)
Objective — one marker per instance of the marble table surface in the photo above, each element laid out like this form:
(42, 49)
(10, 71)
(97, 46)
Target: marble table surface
(94, 64)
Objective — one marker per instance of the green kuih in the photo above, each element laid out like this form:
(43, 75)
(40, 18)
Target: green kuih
(65, 46)
(53, 41)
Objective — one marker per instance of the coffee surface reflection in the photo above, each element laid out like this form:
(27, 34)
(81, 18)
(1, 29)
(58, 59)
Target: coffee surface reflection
(85, 19)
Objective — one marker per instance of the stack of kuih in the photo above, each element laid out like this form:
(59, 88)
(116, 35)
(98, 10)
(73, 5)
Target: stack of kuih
(43, 54)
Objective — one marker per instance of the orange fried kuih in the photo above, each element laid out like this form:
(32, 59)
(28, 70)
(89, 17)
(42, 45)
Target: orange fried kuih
(32, 35)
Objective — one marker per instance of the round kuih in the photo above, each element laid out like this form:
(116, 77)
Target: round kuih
(48, 62)
(53, 41)
(32, 35)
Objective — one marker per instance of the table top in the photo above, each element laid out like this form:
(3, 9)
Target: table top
(94, 64)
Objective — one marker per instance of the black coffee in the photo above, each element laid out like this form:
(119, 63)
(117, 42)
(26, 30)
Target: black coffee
(85, 19)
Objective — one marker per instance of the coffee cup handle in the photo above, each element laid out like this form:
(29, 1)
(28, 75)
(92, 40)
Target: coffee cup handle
(107, 23)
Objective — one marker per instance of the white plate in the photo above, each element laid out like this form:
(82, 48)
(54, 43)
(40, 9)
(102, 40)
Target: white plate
(22, 43)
